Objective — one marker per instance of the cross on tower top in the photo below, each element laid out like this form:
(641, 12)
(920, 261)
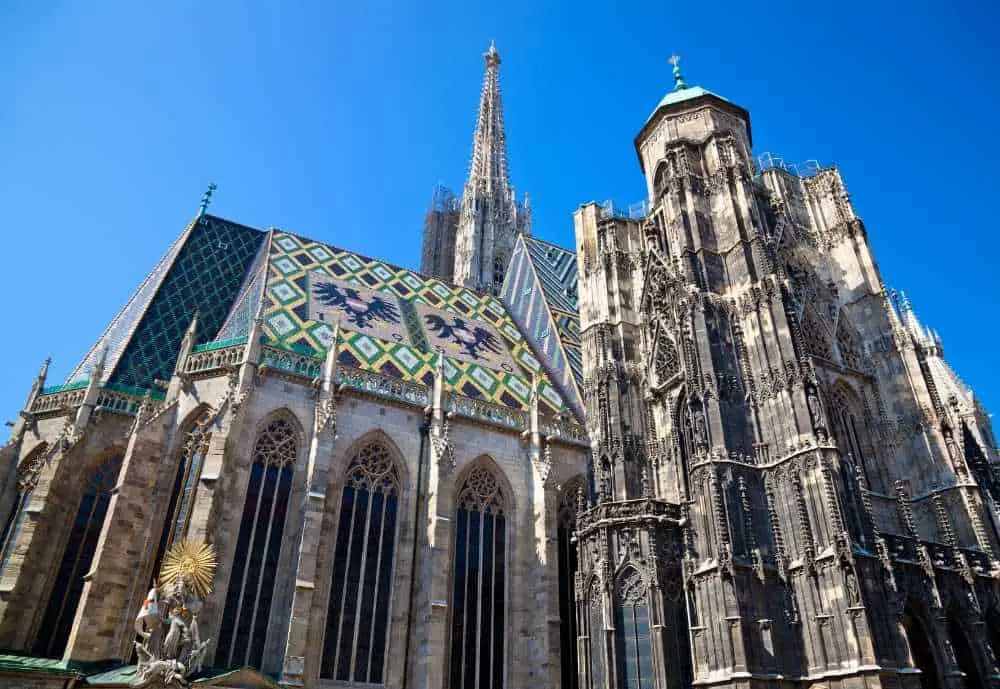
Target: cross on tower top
(679, 84)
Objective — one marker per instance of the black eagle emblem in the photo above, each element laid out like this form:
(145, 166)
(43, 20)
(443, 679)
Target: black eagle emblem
(359, 311)
(474, 339)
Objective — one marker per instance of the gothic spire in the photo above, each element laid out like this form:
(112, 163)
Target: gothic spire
(488, 168)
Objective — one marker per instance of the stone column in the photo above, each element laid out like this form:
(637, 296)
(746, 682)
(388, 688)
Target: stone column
(110, 582)
(314, 506)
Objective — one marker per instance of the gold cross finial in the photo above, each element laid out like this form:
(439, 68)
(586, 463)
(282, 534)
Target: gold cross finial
(674, 60)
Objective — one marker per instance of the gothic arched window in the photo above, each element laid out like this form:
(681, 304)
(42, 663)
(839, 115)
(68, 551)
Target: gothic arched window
(567, 582)
(849, 430)
(76, 559)
(357, 619)
(667, 363)
(499, 269)
(479, 584)
(595, 636)
(251, 584)
(27, 477)
(184, 485)
(635, 666)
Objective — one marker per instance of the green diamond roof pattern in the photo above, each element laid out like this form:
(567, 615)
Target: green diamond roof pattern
(294, 261)
(205, 277)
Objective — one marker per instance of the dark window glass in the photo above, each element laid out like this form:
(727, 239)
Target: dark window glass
(251, 586)
(567, 577)
(77, 556)
(361, 584)
(185, 482)
(632, 633)
(478, 585)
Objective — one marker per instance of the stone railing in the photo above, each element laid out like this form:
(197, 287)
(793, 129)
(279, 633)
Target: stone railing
(119, 402)
(487, 412)
(58, 401)
(565, 430)
(214, 358)
(110, 397)
(285, 360)
(382, 386)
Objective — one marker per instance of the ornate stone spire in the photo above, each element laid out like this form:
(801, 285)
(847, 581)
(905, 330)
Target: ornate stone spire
(488, 219)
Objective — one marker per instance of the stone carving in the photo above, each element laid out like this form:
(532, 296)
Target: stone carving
(170, 648)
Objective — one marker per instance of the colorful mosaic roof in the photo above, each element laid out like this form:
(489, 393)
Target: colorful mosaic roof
(541, 278)
(392, 321)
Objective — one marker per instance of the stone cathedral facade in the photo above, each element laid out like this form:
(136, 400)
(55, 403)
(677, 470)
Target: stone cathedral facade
(704, 447)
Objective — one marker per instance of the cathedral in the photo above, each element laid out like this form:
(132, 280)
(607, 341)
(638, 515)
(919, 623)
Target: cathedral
(706, 446)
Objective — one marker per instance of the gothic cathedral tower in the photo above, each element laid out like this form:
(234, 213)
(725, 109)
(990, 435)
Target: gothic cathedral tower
(760, 429)
(470, 242)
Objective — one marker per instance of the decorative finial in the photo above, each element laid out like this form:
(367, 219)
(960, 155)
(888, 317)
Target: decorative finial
(206, 198)
(491, 55)
(679, 84)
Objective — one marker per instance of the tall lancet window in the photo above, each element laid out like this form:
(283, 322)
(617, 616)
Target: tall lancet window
(357, 619)
(76, 559)
(635, 666)
(567, 583)
(499, 270)
(251, 584)
(479, 584)
(185, 482)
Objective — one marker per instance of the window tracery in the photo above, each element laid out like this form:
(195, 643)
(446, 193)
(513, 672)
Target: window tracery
(814, 334)
(849, 344)
(354, 647)
(479, 584)
(632, 631)
(252, 582)
(667, 361)
(185, 484)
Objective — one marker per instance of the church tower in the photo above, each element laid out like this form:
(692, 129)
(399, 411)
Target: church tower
(470, 242)
(775, 484)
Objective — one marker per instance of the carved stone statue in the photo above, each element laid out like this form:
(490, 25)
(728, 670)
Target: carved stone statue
(170, 648)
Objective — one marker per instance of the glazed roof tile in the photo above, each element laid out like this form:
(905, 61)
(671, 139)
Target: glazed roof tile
(392, 321)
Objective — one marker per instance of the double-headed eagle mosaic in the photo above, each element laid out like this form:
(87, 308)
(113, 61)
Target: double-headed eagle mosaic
(473, 339)
(359, 311)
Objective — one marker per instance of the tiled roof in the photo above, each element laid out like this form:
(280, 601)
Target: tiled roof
(392, 321)
(557, 274)
(202, 272)
(532, 291)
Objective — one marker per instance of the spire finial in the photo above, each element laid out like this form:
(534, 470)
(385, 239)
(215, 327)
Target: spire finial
(206, 198)
(491, 55)
(679, 84)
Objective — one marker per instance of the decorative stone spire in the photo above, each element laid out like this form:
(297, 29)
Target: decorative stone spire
(489, 217)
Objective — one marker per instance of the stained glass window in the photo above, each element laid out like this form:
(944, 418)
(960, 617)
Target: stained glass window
(184, 485)
(567, 577)
(251, 585)
(635, 667)
(357, 620)
(78, 554)
(479, 585)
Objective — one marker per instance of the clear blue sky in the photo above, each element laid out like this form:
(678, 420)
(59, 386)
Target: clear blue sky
(335, 119)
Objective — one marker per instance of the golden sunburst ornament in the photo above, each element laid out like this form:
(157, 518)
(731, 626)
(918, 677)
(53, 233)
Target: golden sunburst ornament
(193, 561)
